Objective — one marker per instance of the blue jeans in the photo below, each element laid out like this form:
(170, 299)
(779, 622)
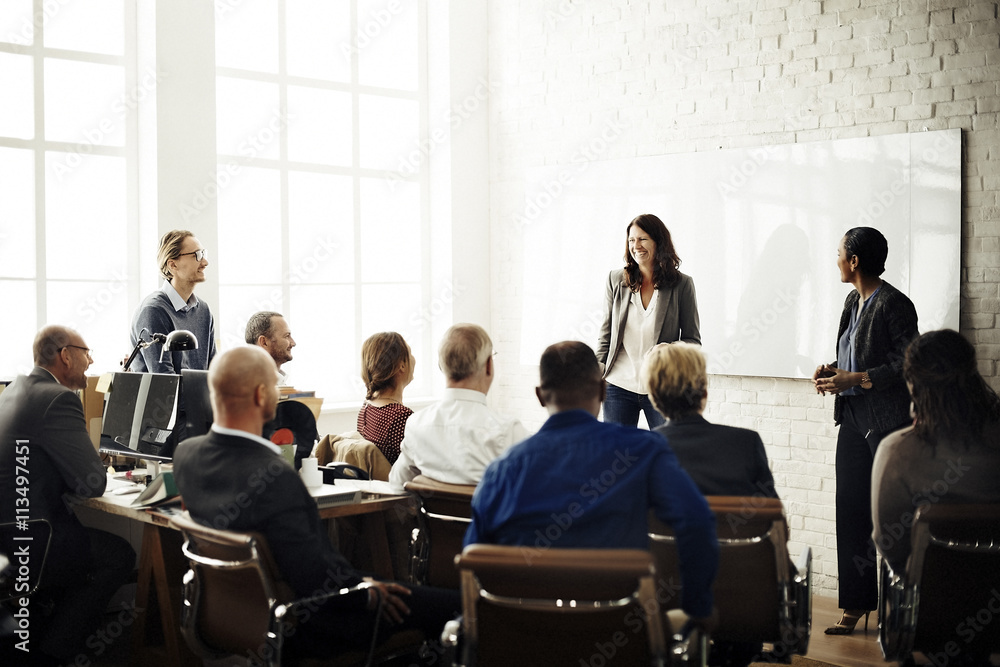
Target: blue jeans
(622, 407)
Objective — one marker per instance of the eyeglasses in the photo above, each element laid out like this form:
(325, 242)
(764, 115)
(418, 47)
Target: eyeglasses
(90, 353)
(199, 254)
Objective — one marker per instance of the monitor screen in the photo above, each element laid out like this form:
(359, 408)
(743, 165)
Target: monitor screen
(140, 415)
(196, 401)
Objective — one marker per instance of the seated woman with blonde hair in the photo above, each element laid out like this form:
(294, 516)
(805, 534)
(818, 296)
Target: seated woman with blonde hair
(722, 460)
(386, 368)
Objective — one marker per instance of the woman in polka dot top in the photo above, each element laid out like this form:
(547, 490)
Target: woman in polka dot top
(386, 368)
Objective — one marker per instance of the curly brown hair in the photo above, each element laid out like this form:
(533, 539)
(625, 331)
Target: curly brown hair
(666, 268)
(950, 398)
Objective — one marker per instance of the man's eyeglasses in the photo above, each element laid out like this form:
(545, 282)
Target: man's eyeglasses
(90, 353)
(199, 254)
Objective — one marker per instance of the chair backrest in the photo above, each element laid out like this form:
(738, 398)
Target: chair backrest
(35, 536)
(560, 606)
(230, 592)
(757, 594)
(950, 586)
(445, 514)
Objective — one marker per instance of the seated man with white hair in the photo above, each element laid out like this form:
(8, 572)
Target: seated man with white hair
(453, 440)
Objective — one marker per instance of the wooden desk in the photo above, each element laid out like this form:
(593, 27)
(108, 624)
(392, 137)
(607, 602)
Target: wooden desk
(156, 637)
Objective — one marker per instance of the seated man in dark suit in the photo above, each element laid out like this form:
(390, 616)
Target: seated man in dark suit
(234, 479)
(581, 483)
(47, 459)
(722, 460)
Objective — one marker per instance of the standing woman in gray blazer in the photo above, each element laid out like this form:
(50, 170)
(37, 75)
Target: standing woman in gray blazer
(876, 326)
(648, 302)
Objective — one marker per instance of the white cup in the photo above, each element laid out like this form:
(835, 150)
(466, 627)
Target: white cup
(311, 475)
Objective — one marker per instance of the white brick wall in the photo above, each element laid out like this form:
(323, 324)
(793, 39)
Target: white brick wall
(691, 75)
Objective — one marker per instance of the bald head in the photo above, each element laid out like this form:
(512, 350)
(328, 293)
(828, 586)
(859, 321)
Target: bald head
(63, 352)
(243, 383)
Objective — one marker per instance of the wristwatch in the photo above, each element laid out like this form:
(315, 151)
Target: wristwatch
(866, 382)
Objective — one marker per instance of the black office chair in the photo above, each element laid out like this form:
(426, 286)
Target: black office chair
(299, 419)
(937, 604)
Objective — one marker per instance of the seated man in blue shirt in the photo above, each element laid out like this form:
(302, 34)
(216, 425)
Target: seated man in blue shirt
(581, 483)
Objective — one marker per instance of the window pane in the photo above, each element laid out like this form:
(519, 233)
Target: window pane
(389, 131)
(390, 232)
(246, 35)
(18, 332)
(318, 39)
(248, 118)
(17, 213)
(317, 126)
(387, 44)
(81, 102)
(320, 228)
(327, 358)
(250, 229)
(16, 24)
(238, 303)
(396, 308)
(17, 115)
(99, 311)
(85, 216)
(97, 26)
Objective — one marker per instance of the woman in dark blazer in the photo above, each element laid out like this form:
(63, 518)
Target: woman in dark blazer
(648, 302)
(877, 324)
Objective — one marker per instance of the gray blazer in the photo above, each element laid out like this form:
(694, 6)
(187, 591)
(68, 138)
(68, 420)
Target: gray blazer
(676, 315)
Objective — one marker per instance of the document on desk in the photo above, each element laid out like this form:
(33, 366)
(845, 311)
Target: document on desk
(329, 495)
(369, 487)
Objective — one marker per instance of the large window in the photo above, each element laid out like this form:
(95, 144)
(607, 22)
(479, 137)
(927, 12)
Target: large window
(322, 206)
(67, 134)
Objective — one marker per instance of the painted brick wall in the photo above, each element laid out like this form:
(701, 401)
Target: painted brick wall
(680, 76)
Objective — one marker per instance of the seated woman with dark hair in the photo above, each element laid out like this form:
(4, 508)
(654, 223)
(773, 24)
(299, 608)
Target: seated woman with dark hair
(386, 368)
(722, 460)
(951, 453)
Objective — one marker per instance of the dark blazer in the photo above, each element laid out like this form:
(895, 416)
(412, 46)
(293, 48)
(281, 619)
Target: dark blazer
(44, 442)
(235, 483)
(722, 460)
(676, 316)
(887, 326)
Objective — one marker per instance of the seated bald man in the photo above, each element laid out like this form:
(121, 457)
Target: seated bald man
(234, 467)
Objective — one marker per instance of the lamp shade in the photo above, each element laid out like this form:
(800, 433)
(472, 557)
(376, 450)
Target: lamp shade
(180, 340)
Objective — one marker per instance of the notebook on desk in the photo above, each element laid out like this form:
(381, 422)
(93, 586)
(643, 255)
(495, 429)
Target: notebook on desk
(329, 495)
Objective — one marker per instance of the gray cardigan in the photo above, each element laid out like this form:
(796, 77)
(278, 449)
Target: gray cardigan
(885, 329)
(676, 316)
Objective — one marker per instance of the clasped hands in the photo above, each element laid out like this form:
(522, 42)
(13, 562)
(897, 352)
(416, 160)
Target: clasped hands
(834, 380)
(393, 607)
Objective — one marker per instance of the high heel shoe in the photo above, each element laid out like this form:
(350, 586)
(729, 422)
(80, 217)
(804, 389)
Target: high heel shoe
(848, 621)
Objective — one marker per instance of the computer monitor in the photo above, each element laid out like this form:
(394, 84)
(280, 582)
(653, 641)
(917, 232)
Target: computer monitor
(196, 401)
(140, 416)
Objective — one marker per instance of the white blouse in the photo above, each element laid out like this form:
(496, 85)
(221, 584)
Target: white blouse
(639, 337)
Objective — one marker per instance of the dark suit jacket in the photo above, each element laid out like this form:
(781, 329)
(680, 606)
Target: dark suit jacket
(44, 441)
(676, 316)
(234, 483)
(722, 460)
(885, 330)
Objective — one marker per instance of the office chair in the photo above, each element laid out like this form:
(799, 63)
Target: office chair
(235, 603)
(938, 604)
(36, 535)
(445, 514)
(758, 594)
(521, 606)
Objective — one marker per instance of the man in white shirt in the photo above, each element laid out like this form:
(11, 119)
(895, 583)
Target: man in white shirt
(453, 440)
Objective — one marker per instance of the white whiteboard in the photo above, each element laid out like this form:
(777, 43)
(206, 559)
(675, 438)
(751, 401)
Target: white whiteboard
(757, 229)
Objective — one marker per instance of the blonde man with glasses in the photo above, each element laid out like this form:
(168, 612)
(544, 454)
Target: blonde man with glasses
(182, 261)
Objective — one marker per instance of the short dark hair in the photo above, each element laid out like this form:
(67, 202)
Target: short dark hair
(666, 269)
(258, 325)
(950, 397)
(569, 370)
(870, 247)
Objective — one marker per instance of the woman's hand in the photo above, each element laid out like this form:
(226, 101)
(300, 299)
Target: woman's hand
(834, 380)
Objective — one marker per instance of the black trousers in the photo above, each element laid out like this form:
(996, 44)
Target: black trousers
(856, 562)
